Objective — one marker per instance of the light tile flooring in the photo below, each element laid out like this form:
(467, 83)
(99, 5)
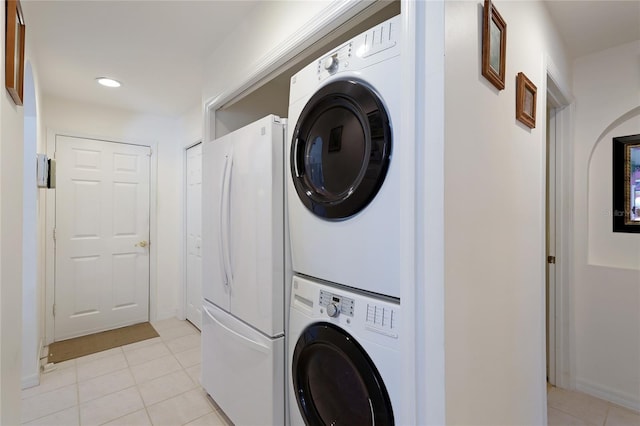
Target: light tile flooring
(156, 382)
(568, 408)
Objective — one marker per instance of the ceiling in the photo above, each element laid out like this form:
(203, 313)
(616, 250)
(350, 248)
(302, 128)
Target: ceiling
(590, 26)
(157, 48)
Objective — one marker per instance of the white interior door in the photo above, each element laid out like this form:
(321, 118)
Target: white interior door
(194, 235)
(102, 236)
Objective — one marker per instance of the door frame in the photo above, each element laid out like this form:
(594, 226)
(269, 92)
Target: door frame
(551, 237)
(183, 305)
(560, 313)
(50, 221)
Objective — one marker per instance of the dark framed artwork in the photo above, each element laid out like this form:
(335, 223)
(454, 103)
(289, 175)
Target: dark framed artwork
(494, 45)
(525, 101)
(14, 50)
(626, 184)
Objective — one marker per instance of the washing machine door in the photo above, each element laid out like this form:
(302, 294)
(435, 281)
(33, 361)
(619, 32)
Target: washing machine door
(335, 382)
(341, 149)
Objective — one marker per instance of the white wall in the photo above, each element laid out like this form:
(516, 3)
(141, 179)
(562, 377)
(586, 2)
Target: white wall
(190, 125)
(170, 134)
(495, 220)
(31, 331)
(34, 231)
(11, 165)
(267, 27)
(606, 288)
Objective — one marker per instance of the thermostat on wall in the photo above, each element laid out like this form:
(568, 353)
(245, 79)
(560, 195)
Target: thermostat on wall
(42, 170)
(45, 171)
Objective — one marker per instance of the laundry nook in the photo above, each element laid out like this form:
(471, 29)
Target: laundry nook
(320, 212)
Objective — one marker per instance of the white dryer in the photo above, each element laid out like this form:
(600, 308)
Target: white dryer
(344, 189)
(343, 356)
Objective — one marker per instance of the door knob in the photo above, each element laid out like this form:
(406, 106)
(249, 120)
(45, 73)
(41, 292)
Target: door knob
(141, 244)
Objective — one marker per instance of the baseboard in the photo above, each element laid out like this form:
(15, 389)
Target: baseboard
(31, 380)
(620, 398)
(34, 379)
(161, 315)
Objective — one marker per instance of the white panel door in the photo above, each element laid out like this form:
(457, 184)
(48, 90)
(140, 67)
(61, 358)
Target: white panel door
(102, 236)
(194, 235)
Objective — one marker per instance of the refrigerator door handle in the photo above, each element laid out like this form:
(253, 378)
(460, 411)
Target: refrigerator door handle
(228, 265)
(221, 222)
(239, 337)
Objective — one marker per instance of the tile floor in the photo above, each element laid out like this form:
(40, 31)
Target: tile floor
(156, 382)
(568, 408)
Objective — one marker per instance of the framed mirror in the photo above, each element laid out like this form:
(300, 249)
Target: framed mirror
(626, 184)
(14, 53)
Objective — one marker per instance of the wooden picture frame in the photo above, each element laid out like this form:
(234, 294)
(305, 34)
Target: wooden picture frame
(14, 50)
(526, 101)
(626, 183)
(494, 45)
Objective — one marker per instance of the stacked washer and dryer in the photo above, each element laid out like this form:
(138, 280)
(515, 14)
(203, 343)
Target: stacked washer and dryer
(344, 212)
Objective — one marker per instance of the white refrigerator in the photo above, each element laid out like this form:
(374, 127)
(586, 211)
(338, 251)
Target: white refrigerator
(243, 353)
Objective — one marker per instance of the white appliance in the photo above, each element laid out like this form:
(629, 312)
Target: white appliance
(243, 353)
(343, 355)
(344, 189)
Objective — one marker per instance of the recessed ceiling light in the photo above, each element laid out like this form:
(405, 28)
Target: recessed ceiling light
(108, 82)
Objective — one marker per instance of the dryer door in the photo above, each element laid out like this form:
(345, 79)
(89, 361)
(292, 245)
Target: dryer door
(341, 149)
(335, 382)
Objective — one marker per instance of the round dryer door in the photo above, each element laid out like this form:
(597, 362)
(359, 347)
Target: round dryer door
(341, 149)
(335, 382)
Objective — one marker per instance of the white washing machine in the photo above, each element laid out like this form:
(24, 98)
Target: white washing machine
(343, 356)
(344, 189)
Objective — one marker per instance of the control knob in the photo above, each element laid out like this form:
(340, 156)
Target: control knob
(330, 63)
(333, 310)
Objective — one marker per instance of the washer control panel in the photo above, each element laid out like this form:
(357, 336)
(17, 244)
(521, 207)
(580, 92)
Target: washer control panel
(336, 304)
(381, 317)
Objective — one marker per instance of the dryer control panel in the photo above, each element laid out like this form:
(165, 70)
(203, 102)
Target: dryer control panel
(336, 304)
(338, 60)
(358, 53)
